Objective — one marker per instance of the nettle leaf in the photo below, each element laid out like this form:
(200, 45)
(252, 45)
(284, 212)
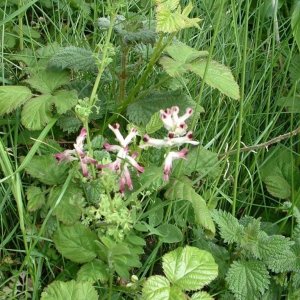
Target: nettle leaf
(46, 169)
(93, 271)
(47, 81)
(76, 242)
(230, 229)
(248, 279)
(70, 206)
(170, 233)
(12, 97)
(74, 58)
(189, 268)
(70, 290)
(201, 296)
(170, 18)
(36, 113)
(156, 287)
(69, 123)
(183, 190)
(35, 197)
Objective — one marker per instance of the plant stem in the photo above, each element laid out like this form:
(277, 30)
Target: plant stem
(21, 35)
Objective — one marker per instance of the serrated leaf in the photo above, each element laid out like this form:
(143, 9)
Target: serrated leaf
(74, 58)
(169, 233)
(93, 271)
(69, 209)
(248, 279)
(156, 287)
(201, 296)
(69, 123)
(35, 198)
(46, 169)
(12, 97)
(183, 190)
(278, 187)
(36, 112)
(47, 81)
(154, 124)
(189, 268)
(70, 290)
(230, 229)
(76, 243)
(217, 76)
(64, 100)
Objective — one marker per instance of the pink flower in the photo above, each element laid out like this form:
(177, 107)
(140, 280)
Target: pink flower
(123, 158)
(169, 161)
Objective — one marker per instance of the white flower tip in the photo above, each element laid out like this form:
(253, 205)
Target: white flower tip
(175, 109)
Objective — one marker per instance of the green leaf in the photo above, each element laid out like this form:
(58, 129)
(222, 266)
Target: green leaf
(28, 31)
(46, 169)
(36, 112)
(76, 243)
(64, 100)
(93, 271)
(47, 81)
(69, 209)
(278, 187)
(201, 296)
(70, 290)
(292, 104)
(35, 197)
(154, 124)
(74, 58)
(248, 279)
(183, 190)
(230, 229)
(190, 268)
(170, 233)
(156, 287)
(217, 76)
(295, 22)
(12, 97)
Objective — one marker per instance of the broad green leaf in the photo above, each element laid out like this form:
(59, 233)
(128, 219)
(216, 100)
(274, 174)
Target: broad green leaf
(76, 243)
(93, 271)
(248, 280)
(295, 22)
(278, 187)
(12, 97)
(217, 76)
(154, 124)
(170, 233)
(156, 212)
(36, 113)
(47, 81)
(46, 169)
(64, 100)
(156, 287)
(183, 190)
(230, 229)
(69, 209)
(35, 197)
(173, 67)
(168, 4)
(70, 290)
(201, 296)
(176, 294)
(190, 268)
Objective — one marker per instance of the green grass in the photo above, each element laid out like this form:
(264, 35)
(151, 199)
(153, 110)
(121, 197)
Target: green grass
(236, 33)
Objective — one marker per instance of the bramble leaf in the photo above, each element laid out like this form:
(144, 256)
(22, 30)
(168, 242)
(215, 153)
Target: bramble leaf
(189, 268)
(12, 97)
(201, 296)
(76, 243)
(70, 290)
(35, 197)
(93, 271)
(156, 287)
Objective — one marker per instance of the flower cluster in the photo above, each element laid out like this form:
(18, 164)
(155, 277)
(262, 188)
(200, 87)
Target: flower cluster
(177, 136)
(123, 158)
(77, 153)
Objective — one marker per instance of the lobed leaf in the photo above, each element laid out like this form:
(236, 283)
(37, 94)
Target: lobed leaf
(35, 197)
(156, 287)
(93, 271)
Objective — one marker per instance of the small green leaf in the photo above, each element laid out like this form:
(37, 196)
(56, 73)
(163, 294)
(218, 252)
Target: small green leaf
(93, 271)
(156, 287)
(201, 296)
(35, 197)
(36, 112)
(69, 209)
(47, 81)
(46, 169)
(278, 187)
(64, 100)
(248, 279)
(12, 97)
(76, 243)
(170, 233)
(183, 190)
(154, 124)
(70, 290)
(190, 268)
